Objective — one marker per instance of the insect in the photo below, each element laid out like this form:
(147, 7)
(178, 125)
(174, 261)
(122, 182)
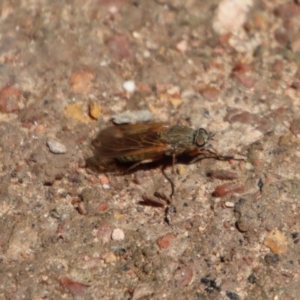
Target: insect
(148, 142)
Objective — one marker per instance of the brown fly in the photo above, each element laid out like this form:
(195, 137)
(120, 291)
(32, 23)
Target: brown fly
(149, 142)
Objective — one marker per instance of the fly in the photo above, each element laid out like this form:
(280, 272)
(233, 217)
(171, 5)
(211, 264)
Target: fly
(149, 142)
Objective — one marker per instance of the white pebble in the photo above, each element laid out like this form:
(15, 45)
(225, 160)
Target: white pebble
(118, 235)
(56, 147)
(231, 15)
(132, 116)
(182, 46)
(129, 86)
(229, 204)
(146, 53)
(106, 186)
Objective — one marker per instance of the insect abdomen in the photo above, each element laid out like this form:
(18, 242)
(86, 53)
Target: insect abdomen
(136, 157)
(130, 158)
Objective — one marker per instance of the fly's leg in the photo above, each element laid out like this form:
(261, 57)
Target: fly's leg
(170, 181)
(206, 153)
(133, 167)
(150, 160)
(160, 199)
(173, 175)
(173, 163)
(141, 162)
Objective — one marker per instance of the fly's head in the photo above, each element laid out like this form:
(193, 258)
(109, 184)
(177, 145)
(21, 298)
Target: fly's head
(202, 137)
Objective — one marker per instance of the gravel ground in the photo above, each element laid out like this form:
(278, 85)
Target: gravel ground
(72, 228)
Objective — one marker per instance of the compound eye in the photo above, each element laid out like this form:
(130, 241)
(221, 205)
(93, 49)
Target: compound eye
(201, 138)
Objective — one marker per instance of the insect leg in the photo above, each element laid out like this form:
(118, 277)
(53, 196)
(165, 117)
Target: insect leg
(133, 167)
(206, 153)
(173, 162)
(144, 161)
(170, 180)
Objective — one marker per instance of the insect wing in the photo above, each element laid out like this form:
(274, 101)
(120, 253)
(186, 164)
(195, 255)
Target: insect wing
(130, 140)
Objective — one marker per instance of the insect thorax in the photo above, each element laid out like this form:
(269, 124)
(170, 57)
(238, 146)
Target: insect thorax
(181, 138)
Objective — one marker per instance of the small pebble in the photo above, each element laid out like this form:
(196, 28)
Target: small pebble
(182, 46)
(76, 289)
(103, 206)
(146, 54)
(142, 291)
(109, 258)
(9, 99)
(127, 116)
(210, 93)
(129, 86)
(118, 235)
(104, 182)
(229, 204)
(248, 166)
(81, 82)
(106, 186)
(104, 232)
(164, 242)
(276, 241)
(181, 170)
(183, 276)
(228, 189)
(76, 111)
(56, 147)
(94, 110)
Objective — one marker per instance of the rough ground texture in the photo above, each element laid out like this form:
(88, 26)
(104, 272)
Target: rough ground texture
(69, 230)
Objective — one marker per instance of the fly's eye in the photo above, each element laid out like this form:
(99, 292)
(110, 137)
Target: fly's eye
(201, 137)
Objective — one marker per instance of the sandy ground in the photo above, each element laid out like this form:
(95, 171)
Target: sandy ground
(71, 229)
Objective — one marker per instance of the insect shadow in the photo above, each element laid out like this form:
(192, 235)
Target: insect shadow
(112, 166)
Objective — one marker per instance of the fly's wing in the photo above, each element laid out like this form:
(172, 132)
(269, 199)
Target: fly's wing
(130, 140)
